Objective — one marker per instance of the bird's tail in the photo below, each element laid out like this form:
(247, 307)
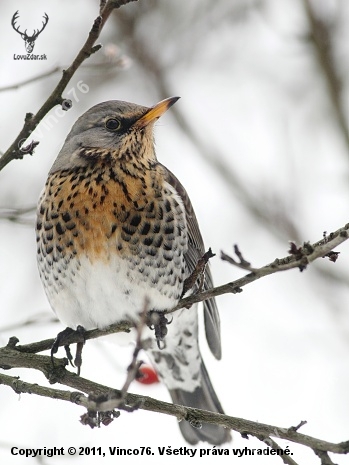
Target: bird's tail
(205, 398)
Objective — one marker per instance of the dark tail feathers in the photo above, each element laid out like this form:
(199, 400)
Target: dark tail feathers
(205, 398)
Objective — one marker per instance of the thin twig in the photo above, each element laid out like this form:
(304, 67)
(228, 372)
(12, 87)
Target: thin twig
(31, 121)
(37, 319)
(308, 253)
(300, 424)
(19, 84)
(22, 387)
(153, 67)
(17, 215)
(321, 36)
(10, 357)
(101, 407)
(14, 356)
(133, 368)
(33, 348)
(240, 263)
(324, 457)
(275, 446)
(198, 273)
(305, 255)
(100, 66)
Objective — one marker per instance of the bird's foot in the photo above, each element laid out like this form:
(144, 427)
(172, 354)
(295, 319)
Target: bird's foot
(158, 322)
(64, 339)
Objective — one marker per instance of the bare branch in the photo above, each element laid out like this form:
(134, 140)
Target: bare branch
(198, 273)
(18, 215)
(133, 368)
(100, 67)
(10, 357)
(306, 254)
(153, 67)
(275, 446)
(324, 457)
(299, 259)
(103, 400)
(30, 80)
(300, 424)
(22, 387)
(33, 348)
(15, 151)
(240, 263)
(321, 35)
(34, 320)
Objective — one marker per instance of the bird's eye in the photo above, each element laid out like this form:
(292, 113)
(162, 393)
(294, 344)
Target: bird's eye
(112, 124)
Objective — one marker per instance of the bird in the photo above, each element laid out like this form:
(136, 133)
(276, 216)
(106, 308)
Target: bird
(114, 228)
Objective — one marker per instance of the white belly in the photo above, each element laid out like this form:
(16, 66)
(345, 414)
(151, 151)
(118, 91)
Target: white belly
(95, 295)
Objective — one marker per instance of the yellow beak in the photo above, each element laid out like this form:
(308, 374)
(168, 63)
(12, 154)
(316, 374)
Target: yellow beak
(155, 112)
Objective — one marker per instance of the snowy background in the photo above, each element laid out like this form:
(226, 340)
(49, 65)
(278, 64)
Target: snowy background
(265, 159)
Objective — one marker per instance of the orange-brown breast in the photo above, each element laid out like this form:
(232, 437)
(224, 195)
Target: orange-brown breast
(102, 210)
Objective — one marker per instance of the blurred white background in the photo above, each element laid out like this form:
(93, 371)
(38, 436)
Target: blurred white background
(260, 141)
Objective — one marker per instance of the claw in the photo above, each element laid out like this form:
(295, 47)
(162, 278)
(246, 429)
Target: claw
(63, 338)
(158, 322)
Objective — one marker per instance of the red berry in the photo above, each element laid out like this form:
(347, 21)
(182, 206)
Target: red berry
(147, 375)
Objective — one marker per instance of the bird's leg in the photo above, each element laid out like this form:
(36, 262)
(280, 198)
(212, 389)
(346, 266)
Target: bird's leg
(60, 338)
(64, 338)
(78, 355)
(158, 322)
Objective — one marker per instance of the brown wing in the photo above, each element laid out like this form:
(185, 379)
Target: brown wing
(195, 251)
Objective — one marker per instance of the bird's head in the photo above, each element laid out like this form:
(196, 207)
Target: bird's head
(121, 130)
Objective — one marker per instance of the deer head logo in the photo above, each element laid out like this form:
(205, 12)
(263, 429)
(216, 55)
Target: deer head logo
(29, 40)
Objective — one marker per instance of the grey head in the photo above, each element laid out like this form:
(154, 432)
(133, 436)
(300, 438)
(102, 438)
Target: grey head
(110, 125)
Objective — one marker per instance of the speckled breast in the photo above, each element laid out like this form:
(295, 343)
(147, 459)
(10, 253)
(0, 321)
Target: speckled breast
(107, 238)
